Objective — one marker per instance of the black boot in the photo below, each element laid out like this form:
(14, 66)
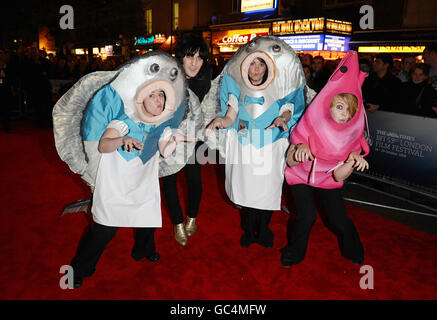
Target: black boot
(248, 223)
(265, 236)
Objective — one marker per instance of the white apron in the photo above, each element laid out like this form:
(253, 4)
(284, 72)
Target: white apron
(127, 194)
(254, 177)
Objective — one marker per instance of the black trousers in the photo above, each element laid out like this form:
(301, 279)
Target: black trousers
(96, 240)
(255, 224)
(171, 195)
(333, 203)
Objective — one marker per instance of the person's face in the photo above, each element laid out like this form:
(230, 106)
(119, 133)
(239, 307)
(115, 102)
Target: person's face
(154, 102)
(340, 111)
(256, 71)
(317, 65)
(396, 67)
(307, 73)
(379, 66)
(192, 65)
(306, 60)
(417, 76)
(407, 63)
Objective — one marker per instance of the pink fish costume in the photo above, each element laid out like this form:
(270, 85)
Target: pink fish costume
(330, 142)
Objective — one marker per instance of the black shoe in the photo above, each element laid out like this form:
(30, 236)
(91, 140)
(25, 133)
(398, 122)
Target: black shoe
(286, 262)
(246, 240)
(77, 282)
(153, 257)
(265, 243)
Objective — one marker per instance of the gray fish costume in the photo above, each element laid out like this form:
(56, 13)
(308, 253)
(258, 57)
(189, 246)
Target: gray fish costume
(68, 114)
(255, 157)
(114, 99)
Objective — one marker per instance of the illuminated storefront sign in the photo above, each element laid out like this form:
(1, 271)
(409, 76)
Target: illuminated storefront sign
(327, 55)
(392, 49)
(318, 42)
(156, 38)
(305, 43)
(249, 6)
(337, 26)
(313, 25)
(237, 37)
(142, 40)
(336, 43)
(159, 38)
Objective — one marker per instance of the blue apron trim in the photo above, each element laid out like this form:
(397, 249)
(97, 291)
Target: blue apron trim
(107, 105)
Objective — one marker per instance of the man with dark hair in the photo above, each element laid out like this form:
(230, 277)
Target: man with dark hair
(382, 87)
(430, 57)
(406, 64)
(321, 74)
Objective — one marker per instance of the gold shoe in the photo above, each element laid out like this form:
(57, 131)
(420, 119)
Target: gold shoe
(191, 226)
(179, 234)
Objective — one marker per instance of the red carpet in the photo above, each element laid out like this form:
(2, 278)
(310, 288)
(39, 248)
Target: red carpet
(36, 242)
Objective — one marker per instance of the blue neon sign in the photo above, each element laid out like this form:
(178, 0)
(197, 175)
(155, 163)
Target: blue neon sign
(336, 43)
(318, 42)
(305, 43)
(147, 40)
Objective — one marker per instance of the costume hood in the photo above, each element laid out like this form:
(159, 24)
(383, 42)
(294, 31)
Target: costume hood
(327, 139)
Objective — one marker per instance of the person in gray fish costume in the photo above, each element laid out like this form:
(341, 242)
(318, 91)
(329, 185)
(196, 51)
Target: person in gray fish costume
(130, 117)
(262, 97)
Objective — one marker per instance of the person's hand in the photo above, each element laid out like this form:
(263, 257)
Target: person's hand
(303, 153)
(360, 164)
(217, 123)
(372, 107)
(435, 109)
(177, 138)
(129, 143)
(278, 122)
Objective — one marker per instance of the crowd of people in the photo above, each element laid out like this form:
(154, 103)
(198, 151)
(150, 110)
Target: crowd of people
(402, 86)
(27, 74)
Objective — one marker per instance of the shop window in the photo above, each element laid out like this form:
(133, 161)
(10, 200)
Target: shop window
(149, 21)
(176, 16)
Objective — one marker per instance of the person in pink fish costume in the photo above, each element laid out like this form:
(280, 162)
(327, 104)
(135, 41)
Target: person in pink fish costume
(325, 148)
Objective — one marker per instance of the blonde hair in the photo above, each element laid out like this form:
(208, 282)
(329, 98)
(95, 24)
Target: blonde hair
(348, 98)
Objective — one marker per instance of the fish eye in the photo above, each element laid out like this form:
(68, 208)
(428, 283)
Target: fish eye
(276, 48)
(154, 68)
(343, 69)
(173, 73)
